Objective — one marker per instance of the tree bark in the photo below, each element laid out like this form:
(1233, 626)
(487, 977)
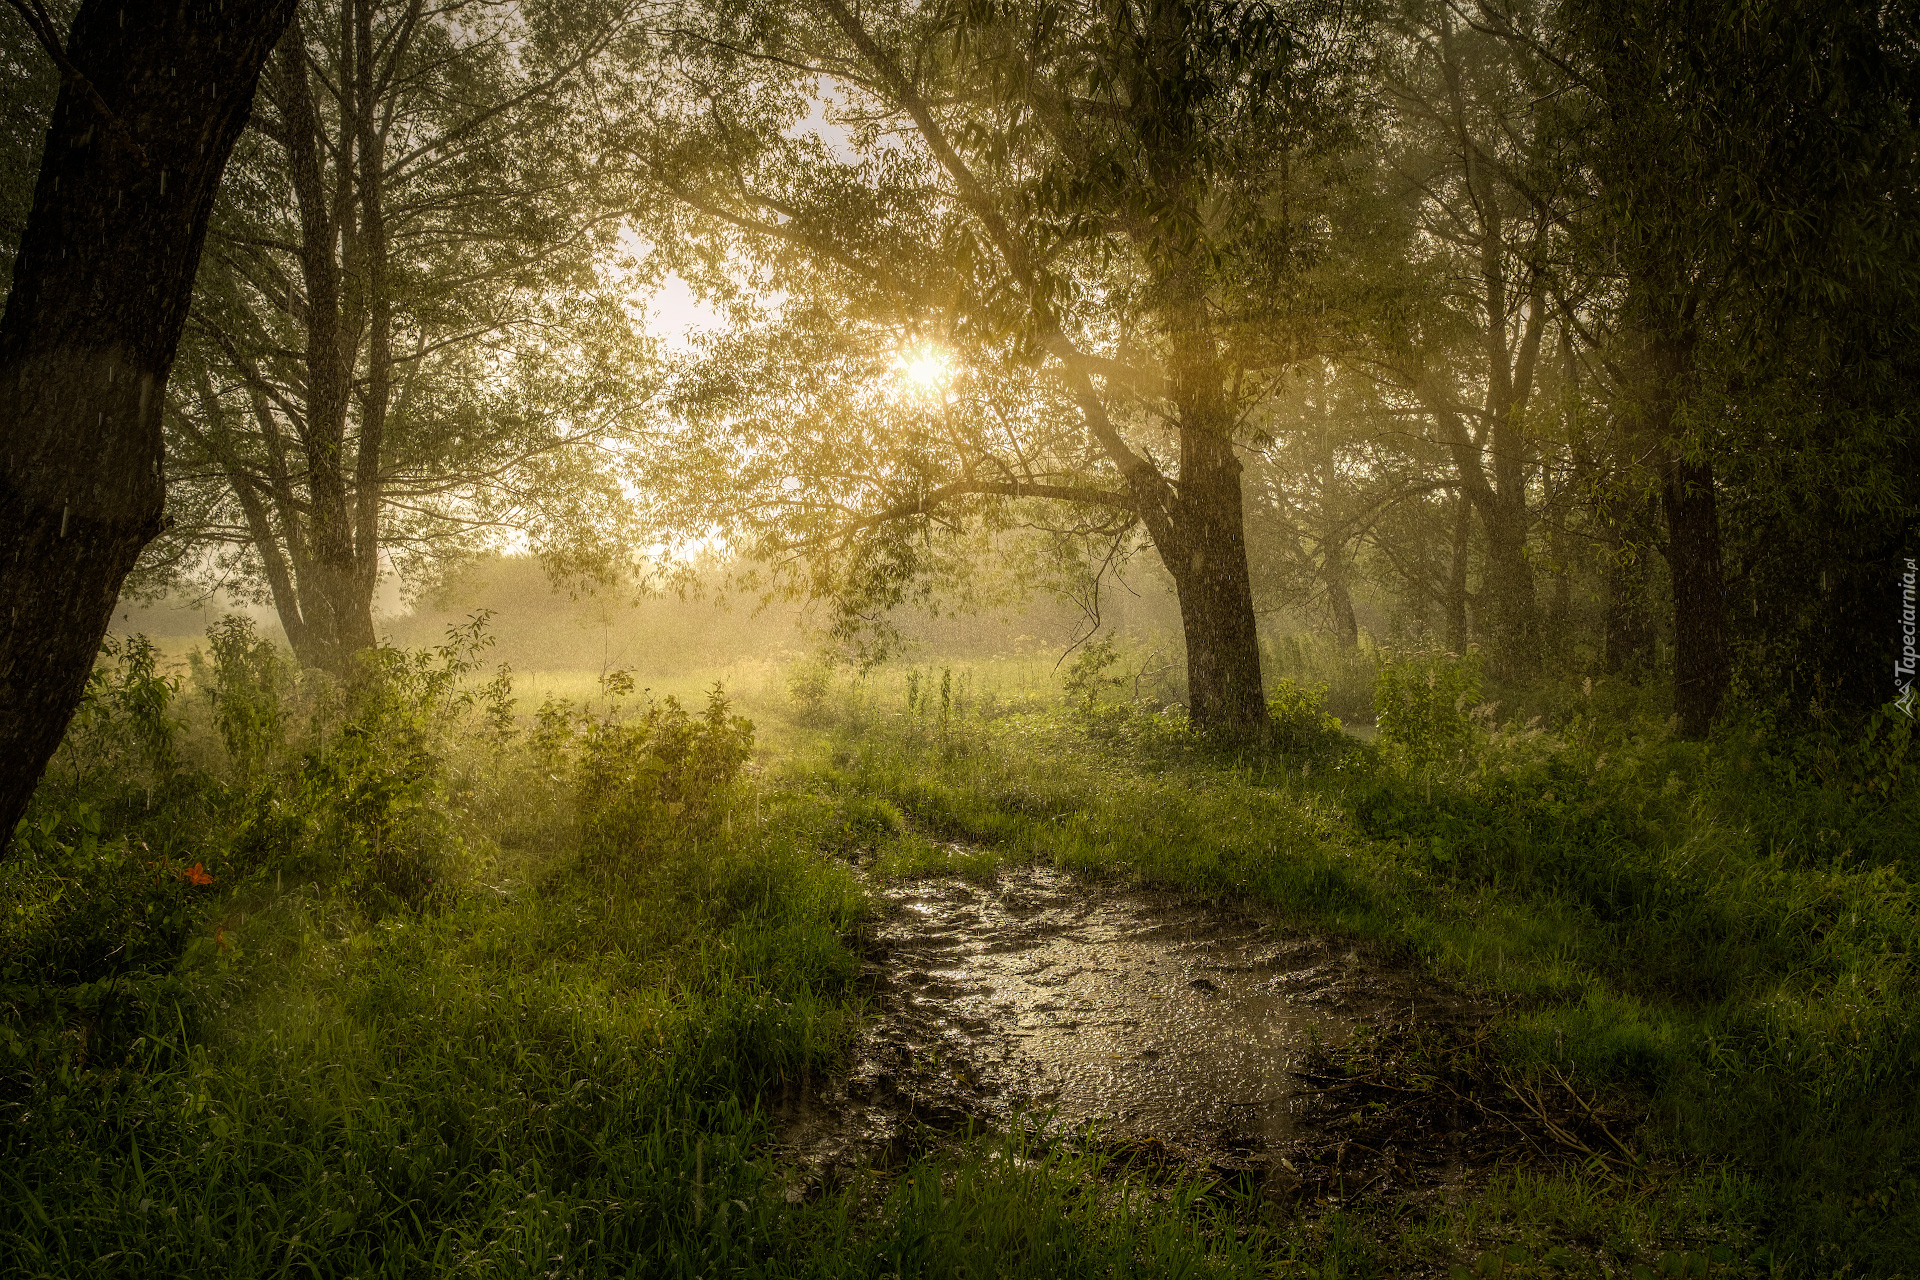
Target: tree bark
(1457, 574)
(100, 292)
(1207, 550)
(1627, 628)
(1208, 561)
(1510, 583)
(1333, 530)
(1701, 666)
(1346, 626)
(1502, 504)
(217, 440)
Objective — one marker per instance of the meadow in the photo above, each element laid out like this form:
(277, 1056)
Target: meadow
(433, 972)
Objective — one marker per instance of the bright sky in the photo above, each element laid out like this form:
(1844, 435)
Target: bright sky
(676, 316)
(817, 124)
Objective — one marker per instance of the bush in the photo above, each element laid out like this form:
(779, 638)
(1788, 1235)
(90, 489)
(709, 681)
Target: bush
(359, 801)
(1347, 672)
(1298, 714)
(662, 770)
(808, 686)
(120, 744)
(247, 684)
(1091, 674)
(99, 909)
(1424, 704)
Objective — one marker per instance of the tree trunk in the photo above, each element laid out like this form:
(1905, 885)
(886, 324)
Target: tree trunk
(1557, 631)
(1333, 541)
(1701, 666)
(217, 440)
(335, 314)
(1457, 574)
(1701, 663)
(1516, 606)
(1502, 504)
(100, 292)
(1209, 567)
(1346, 627)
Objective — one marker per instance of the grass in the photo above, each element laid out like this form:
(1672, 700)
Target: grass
(1653, 916)
(565, 1066)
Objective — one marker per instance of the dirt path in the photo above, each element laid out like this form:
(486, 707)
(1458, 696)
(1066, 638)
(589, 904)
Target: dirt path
(1159, 1023)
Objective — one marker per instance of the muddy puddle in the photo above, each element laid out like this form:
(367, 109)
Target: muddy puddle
(1150, 1023)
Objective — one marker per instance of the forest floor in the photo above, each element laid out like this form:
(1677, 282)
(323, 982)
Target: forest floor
(1017, 991)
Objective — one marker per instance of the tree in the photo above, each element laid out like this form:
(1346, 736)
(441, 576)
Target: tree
(1754, 178)
(400, 342)
(1473, 151)
(1335, 486)
(29, 83)
(1094, 209)
(151, 100)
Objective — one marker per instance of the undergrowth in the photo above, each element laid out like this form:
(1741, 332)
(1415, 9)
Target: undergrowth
(1723, 933)
(389, 974)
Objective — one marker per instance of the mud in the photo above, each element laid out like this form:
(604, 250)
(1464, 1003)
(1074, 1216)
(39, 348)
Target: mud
(1177, 1031)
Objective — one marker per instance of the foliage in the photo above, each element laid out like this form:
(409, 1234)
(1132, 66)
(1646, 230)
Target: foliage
(247, 683)
(641, 778)
(1424, 703)
(1090, 674)
(100, 903)
(402, 344)
(291, 1064)
(1300, 722)
(808, 685)
(123, 730)
(1346, 672)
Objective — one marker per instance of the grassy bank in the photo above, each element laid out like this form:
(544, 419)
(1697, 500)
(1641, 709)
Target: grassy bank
(1724, 933)
(397, 978)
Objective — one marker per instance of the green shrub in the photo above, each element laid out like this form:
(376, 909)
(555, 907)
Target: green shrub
(1091, 674)
(1347, 672)
(808, 686)
(1424, 704)
(664, 769)
(1298, 714)
(98, 908)
(360, 801)
(247, 684)
(85, 904)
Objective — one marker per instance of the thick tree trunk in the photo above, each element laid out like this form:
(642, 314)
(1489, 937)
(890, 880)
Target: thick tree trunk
(1701, 666)
(141, 131)
(1209, 567)
(1558, 625)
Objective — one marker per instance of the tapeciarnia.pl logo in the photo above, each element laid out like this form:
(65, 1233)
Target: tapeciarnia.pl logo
(1904, 665)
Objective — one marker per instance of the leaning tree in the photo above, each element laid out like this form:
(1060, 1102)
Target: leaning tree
(151, 100)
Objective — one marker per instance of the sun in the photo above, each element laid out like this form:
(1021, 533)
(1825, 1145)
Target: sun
(925, 370)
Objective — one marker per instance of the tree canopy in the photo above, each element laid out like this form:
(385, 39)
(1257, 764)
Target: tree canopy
(1580, 330)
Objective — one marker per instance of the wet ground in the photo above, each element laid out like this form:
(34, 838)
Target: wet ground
(1133, 1019)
